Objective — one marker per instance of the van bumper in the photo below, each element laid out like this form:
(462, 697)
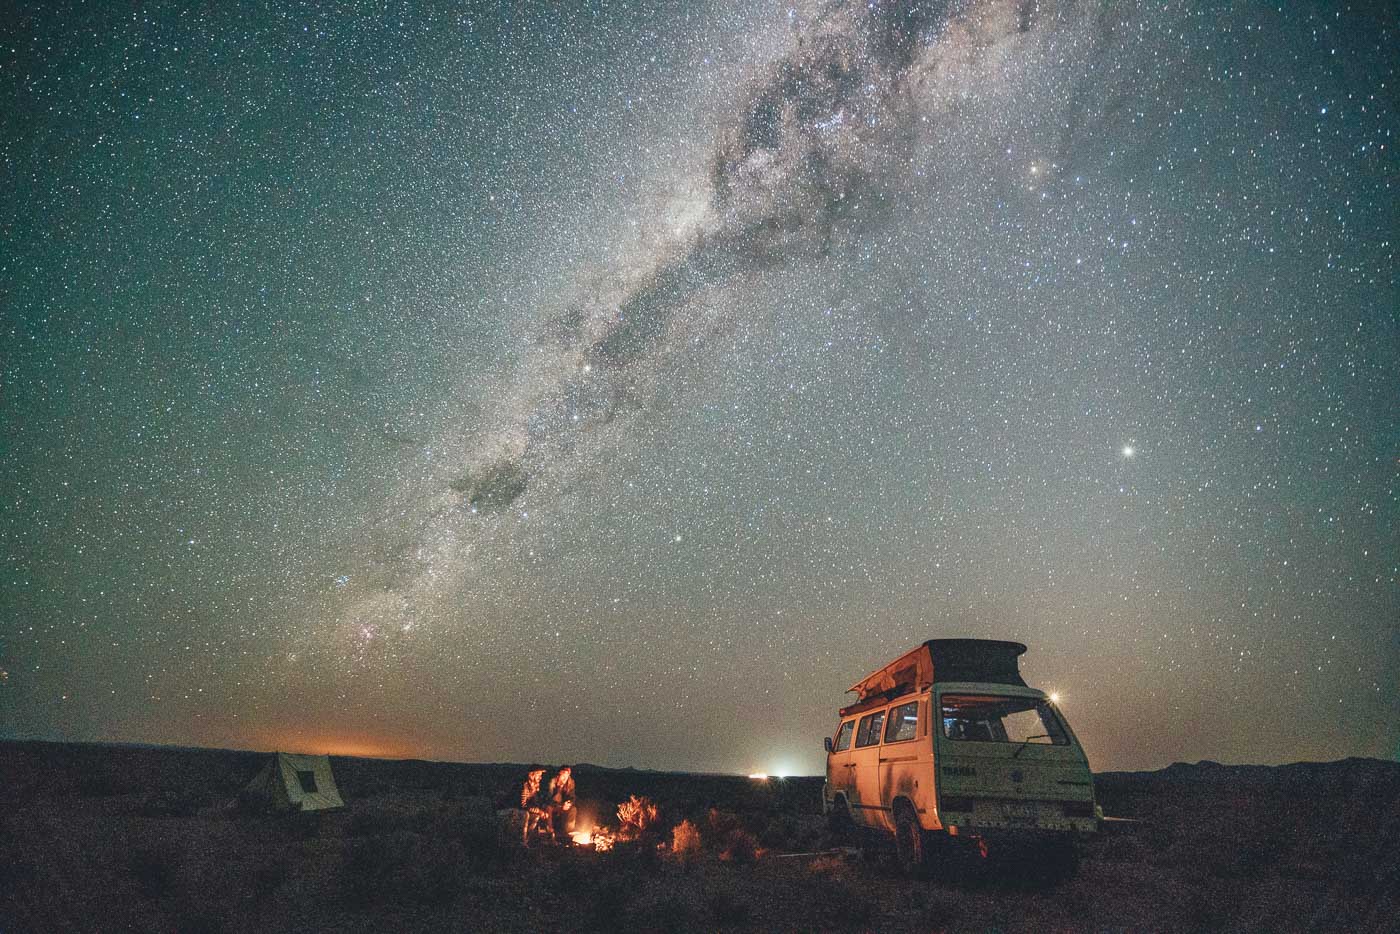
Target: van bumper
(1079, 827)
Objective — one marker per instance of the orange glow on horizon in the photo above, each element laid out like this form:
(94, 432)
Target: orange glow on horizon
(334, 744)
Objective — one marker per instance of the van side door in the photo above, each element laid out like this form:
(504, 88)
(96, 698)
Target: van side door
(905, 762)
(866, 806)
(840, 771)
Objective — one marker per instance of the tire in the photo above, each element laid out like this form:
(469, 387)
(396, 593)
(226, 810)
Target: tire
(911, 842)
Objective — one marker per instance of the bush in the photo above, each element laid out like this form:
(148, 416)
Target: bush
(270, 875)
(154, 871)
(780, 833)
(14, 869)
(199, 920)
(641, 859)
(484, 842)
(729, 910)
(368, 822)
(848, 907)
(634, 816)
(403, 869)
(685, 840)
(608, 902)
(720, 826)
(99, 784)
(185, 803)
(669, 914)
(740, 846)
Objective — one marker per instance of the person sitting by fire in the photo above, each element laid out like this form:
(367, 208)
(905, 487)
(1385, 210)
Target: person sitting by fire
(561, 803)
(534, 799)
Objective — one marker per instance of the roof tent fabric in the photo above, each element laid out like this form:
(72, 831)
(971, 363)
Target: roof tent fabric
(290, 782)
(983, 660)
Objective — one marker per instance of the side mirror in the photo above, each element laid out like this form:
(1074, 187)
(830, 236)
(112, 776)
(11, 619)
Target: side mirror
(826, 743)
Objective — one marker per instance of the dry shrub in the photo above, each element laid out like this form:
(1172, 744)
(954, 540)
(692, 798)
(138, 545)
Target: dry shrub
(685, 839)
(847, 907)
(195, 919)
(369, 822)
(607, 903)
(828, 866)
(15, 869)
(485, 841)
(720, 825)
(740, 846)
(729, 909)
(174, 803)
(154, 870)
(638, 859)
(634, 816)
(403, 869)
(270, 875)
(99, 784)
(671, 913)
(780, 834)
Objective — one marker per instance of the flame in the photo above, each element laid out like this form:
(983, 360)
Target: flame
(600, 838)
(634, 816)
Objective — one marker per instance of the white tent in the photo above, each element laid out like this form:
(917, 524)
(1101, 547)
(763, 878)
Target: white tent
(289, 782)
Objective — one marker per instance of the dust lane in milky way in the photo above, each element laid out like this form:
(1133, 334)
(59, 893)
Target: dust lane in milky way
(621, 384)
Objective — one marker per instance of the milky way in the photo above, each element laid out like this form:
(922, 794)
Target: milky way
(621, 385)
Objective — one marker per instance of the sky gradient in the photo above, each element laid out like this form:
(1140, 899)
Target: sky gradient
(620, 383)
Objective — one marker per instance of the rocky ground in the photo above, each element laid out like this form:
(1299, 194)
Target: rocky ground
(106, 838)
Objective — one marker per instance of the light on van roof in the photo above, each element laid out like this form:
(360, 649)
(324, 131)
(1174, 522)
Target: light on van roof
(1054, 697)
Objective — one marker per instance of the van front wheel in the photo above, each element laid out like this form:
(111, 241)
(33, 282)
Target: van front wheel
(910, 841)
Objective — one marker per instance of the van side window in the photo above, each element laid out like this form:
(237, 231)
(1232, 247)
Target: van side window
(843, 736)
(904, 720)
(869, 732)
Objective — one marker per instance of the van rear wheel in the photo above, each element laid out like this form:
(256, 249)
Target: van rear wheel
(911, 842)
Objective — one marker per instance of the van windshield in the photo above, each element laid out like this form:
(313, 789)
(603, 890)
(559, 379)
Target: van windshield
(989, 718)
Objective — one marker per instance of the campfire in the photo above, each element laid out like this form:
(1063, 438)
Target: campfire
(633, 817)
(600, 839)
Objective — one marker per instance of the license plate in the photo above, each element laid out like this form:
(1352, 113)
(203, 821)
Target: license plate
(1019, 811)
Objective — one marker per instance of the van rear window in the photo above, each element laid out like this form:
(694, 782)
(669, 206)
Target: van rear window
(988, 718)
(869, 732)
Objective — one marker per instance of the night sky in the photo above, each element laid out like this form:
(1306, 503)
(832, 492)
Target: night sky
(619, 384)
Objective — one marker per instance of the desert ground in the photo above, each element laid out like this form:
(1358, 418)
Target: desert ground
(109, 838)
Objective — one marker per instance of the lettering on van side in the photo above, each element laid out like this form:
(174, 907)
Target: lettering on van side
(967, 771)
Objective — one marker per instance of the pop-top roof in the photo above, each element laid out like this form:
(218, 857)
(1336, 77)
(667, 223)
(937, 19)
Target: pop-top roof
(988, 661)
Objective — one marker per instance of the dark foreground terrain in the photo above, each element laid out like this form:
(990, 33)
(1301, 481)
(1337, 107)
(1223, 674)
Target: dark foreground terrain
(102, 838)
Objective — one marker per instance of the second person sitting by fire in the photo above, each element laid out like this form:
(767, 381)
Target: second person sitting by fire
(561, 803)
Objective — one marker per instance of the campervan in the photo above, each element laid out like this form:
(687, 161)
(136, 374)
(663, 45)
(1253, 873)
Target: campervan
(947, 741)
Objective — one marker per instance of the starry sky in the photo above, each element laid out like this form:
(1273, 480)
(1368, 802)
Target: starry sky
(619, 383)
